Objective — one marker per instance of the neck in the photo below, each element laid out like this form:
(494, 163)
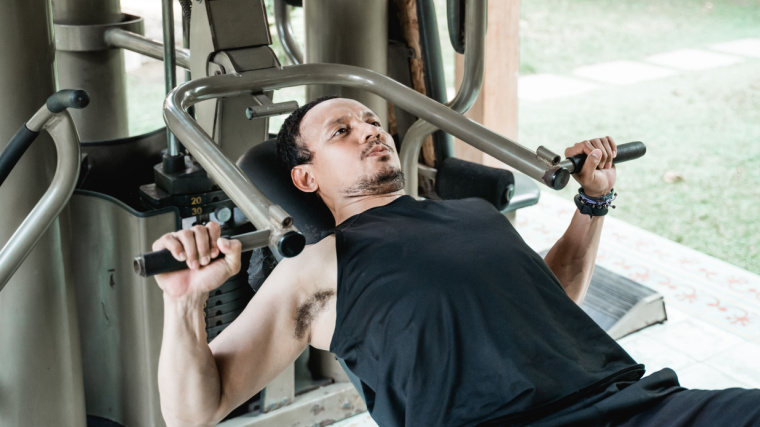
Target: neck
(346, 207)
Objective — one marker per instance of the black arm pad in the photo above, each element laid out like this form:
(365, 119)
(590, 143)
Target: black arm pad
(459, 179)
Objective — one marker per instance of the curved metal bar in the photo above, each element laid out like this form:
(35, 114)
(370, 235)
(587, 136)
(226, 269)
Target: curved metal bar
(61, 128)
(285, 32)
(249, 199)
(134, 42)
(472, 81)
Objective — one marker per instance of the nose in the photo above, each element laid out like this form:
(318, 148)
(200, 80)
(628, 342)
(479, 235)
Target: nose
(371, 132)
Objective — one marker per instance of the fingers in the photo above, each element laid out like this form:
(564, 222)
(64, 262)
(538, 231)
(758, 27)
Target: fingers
(613, 145)
(168, 241)
(231, 249)
(197, 245)
(606, 145)
(187, 238)
(214, 232)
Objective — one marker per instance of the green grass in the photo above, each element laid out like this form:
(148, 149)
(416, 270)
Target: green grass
(704, 125)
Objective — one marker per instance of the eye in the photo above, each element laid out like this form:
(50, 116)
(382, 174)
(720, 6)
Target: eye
(340, 131)
(376, 123)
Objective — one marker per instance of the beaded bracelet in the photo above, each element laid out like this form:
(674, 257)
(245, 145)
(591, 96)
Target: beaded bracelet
(594, 206)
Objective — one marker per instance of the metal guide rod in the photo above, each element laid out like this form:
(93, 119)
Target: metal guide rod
(285, 31)
(134, 42)
(170, 72)
(472, 81)
(61, 129)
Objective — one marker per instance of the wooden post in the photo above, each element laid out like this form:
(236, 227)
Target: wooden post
(496, 107)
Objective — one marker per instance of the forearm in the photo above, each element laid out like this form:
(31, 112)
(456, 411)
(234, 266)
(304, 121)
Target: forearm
(572, 258)
(188, 379)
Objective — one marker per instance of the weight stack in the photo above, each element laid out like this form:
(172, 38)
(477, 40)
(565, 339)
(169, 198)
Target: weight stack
(226, 302)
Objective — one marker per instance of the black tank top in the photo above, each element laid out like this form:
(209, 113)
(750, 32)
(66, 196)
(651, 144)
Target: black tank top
(450, 319)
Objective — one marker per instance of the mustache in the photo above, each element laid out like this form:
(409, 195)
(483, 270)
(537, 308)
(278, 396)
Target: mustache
(371, 146)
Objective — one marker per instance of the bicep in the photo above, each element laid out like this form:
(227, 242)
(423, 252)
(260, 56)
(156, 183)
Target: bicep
(260, 343)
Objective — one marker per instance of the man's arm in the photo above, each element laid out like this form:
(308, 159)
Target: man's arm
(200, 383)
(572, 258)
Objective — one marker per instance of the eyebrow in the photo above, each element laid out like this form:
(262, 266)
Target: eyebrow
(342, 119)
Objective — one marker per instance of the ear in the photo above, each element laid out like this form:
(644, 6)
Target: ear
(303, 178)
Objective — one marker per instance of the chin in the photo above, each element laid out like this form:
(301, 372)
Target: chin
(389, 179)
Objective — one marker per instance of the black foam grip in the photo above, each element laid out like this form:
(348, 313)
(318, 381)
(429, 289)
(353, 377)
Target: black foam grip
(15, 149)
(67, 98)
(160, 262)
(459, 179)
(625, 152)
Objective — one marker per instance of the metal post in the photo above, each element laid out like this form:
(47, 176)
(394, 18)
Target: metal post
(170, 70)
(285, 32)
(348, 32)
(41, 375)
(100, 73)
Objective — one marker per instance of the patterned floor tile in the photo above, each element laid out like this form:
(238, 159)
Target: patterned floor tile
(705, 377)
(741, 361)
(361, 420)
(697, 284)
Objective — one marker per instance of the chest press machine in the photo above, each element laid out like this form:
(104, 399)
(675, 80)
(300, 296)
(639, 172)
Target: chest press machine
(234, 72)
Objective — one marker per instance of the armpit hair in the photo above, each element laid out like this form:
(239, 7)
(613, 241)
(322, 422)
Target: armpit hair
(309, 310)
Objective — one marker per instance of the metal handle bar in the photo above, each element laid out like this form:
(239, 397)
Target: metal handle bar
(625, 152)
(250, 200)
(61, 128)
(472, 81)
(163, 261)
(117, 37)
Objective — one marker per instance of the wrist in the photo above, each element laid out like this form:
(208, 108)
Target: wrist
(184, 317)
(594, 206)
(185, 303)
(595, 194)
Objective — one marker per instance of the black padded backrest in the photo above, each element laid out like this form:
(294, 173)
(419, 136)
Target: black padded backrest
(310, 215)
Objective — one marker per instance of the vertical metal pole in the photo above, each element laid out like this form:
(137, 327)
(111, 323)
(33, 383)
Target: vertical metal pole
(100, 73)
(40, 362)
(348, 32)
(170, 66)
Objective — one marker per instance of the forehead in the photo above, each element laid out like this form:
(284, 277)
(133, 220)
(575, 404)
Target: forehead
(330, 111)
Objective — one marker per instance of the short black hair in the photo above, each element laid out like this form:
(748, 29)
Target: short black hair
(291, 151)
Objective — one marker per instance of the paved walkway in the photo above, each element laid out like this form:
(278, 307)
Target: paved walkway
(540, 87)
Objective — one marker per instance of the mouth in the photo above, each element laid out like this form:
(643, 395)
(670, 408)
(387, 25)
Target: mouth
(378, 149)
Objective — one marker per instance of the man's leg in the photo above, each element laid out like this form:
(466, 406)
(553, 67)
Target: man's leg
(694, 408)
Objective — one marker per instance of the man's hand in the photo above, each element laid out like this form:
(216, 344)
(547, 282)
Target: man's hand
(198, 246)
(598, 174)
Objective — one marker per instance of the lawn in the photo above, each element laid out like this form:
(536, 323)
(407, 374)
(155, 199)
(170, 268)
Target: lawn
(703, 126)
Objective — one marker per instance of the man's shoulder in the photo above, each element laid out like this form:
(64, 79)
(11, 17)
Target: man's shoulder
(313, 258)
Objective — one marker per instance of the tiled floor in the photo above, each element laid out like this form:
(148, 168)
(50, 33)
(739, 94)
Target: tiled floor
(712, 336)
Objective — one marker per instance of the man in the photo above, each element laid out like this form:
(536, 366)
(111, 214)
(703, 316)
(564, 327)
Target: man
(440, 308)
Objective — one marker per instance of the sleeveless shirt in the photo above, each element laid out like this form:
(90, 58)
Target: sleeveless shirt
(450, 319)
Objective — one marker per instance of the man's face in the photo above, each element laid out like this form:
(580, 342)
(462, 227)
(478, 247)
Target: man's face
(352, 155)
